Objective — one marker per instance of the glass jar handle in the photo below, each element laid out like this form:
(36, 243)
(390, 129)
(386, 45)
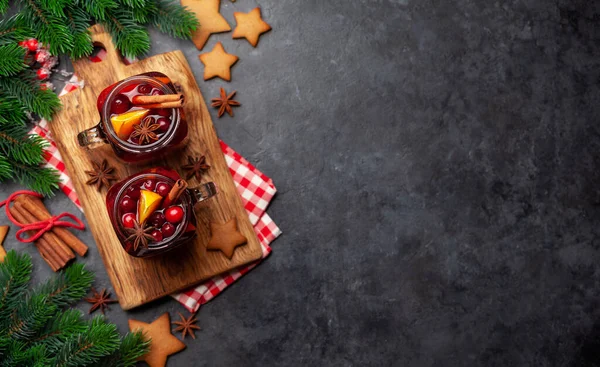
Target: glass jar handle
(204, 191)
(91, 137)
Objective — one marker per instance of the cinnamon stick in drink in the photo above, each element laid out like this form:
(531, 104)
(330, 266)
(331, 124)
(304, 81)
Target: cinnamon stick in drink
(44, 248)
(176, 104)
(176, 191)
(148, 100)
(39, 211)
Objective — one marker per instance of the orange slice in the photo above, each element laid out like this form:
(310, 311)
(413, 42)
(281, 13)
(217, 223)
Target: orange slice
(123, 123)
(149, 202)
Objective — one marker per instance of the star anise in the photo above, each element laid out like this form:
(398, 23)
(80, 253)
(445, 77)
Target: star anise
(187, 326)
(101, 175)
(195, 167)
(139, 235)
(100, 300)
(145, 131)
(225, 102)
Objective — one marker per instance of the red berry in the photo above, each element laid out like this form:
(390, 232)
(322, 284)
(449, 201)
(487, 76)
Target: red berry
(120, 104)
(135, 140)
(157, 92)
(133, 192)
(127, 205)
(150, 184)
(32, 44)
(163, 189)
(174, 214)
(128, 220)
(145, 88)
(168, 229)
(165, 112)
(163, 124)
(42, 73)
(158, 236)
(156, 219)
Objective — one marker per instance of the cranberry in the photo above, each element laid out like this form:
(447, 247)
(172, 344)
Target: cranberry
(135, 140)
(163, 189)
(168, 229)
(128, 220)
(157, 92)
(156, 219)
(120, 104)
(145, 88)
(174, 214)
(133, 192)
(150, 184)
(164, 112)
(127, 205)
(158, 236)
(163, 124)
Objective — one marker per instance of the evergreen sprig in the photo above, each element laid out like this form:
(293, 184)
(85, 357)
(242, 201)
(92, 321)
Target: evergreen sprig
(35, 330)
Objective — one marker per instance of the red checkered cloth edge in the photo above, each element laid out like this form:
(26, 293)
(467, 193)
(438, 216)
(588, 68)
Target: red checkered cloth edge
(255, 188)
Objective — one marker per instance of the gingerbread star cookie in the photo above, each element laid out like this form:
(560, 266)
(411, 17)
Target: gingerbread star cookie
(225, 237)
(163, 343)
(250, 26)
(211, 21)
(3, 232)
(218, 63)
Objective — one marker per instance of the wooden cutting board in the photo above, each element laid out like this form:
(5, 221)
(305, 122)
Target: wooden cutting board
(137, 281)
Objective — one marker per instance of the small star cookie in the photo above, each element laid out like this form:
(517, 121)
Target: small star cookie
(211, 21)
(218, 63)
(225, 237)
(163, 343)
(250, 26)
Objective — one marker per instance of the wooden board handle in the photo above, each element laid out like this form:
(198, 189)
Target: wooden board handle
(100, 37)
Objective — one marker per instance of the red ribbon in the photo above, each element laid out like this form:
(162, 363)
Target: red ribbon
(43, 226)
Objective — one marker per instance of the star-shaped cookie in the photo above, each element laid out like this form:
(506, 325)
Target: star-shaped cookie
(218, 63)
(225, 237)
(211, 21)
(250, 26)
(163, 342)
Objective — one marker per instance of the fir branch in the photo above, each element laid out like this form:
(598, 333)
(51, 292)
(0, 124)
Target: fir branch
(174, 19)
(54, 7)
(135, 3)
(13, 30)
(130, 38)
(11, 59)
(5, 169)
(15, 273)
(17, 144)
(30, 317)
(27, 91)
(133, 346)
(60, 329)
(67, 287)
(49, 28)
(78, 21)
(11, 112)
(97, 8)
(3, 6)
(99, 340)
(40, 179)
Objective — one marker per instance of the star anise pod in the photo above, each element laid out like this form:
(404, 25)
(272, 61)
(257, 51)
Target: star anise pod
(187, 326)
(225, 102)
(101, 175)
(195, 167)
(100, 300)
(145, 131)
(139, 235)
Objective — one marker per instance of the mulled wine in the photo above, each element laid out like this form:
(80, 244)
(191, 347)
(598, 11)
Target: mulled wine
(152, 212)
(141, 118)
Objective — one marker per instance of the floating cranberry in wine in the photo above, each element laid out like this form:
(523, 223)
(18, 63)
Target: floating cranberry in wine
(128, 220)
(163, 188)
(145, 89)
(127, 205)
(120, 104)
(174, 214)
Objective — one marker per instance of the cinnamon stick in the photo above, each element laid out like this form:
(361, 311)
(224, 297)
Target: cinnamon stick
(63, 251)
(176, 191)
(39, 211)
(176, 104)
(3, 232)
(144, 100)
(44, 248)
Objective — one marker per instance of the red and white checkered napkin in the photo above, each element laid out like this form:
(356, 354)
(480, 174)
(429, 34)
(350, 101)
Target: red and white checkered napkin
(255, 188)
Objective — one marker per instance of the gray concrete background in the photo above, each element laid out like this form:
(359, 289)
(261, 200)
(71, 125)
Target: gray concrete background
(437, 168)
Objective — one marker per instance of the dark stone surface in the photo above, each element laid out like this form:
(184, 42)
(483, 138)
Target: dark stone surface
(437, 167)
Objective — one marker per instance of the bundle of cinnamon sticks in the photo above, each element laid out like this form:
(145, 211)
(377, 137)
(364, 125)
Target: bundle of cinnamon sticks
(159, 101)
(55, 246)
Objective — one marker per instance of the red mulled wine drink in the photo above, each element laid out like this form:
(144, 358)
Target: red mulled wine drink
(153, 211)
(141, 118)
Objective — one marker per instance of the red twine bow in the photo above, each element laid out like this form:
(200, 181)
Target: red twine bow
(43, 226)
